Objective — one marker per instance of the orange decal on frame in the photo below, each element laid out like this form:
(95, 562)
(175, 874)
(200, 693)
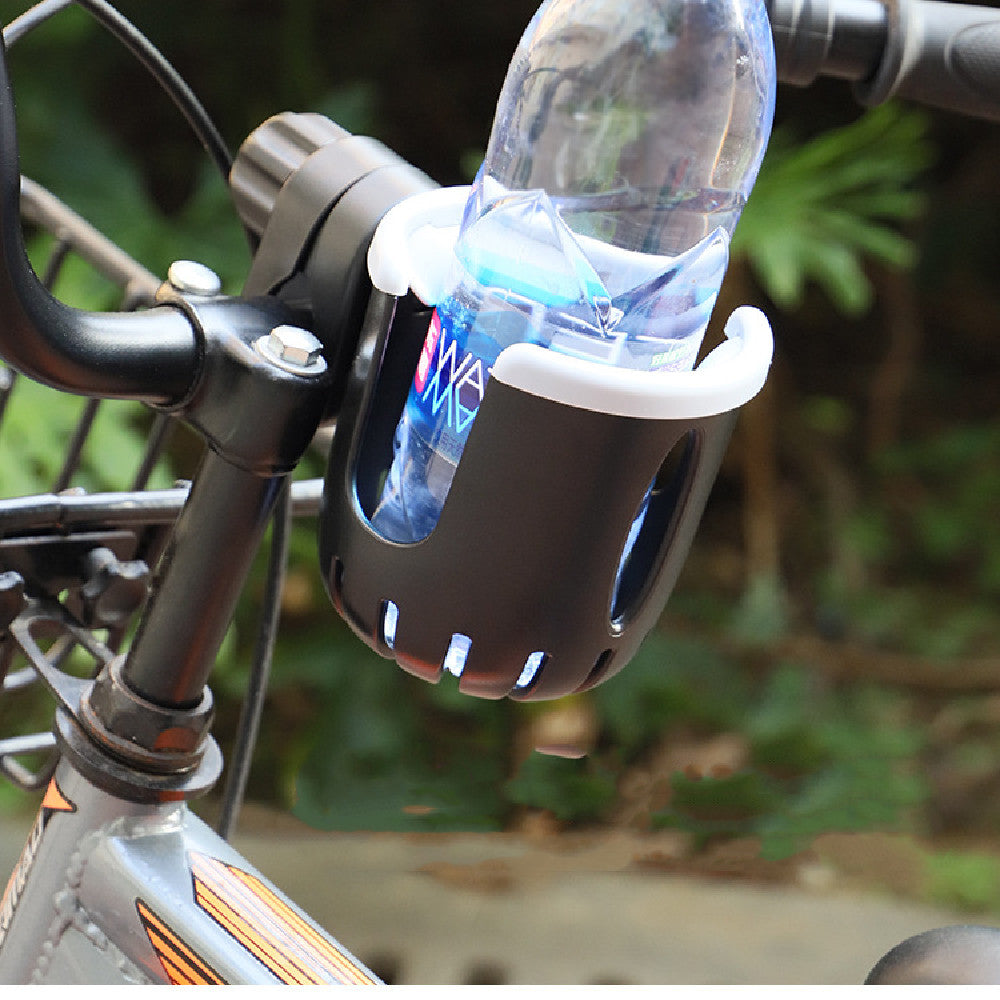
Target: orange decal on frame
(266, 926)
(55, 800)
(182, 966)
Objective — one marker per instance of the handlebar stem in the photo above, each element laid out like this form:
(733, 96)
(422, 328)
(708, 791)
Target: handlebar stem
(198, 583)
(258, 414)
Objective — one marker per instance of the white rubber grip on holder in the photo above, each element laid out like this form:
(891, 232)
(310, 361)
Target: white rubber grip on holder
(412, 250)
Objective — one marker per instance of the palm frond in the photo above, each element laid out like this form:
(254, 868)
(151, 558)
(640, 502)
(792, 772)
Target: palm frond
(823, 208)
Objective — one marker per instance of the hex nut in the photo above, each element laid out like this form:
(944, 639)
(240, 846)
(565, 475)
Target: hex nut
(294, 346)
(148, 736)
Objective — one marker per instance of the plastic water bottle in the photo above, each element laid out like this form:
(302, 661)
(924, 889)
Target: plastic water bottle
(627, 136)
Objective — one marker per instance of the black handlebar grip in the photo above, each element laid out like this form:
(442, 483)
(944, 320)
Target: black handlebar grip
(151, 355)
(944, 55)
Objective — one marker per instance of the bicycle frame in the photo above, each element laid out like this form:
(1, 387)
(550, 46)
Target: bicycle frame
(108, 890)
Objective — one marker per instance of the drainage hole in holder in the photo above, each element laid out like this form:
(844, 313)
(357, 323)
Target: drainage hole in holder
(388, 620)
(458, 653)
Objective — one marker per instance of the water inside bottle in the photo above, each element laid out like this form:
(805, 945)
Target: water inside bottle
(600, 302)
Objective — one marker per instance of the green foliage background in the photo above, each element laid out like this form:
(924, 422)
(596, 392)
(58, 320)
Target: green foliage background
(849, 676)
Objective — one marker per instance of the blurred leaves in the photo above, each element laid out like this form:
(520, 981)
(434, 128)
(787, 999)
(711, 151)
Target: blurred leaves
(964, 880)
(576, 791)
(362, 746)
(820, 207)
(370, 766)
(928, 553)
(672, 680)
(818, 760)
(37, 425)
(69, 145)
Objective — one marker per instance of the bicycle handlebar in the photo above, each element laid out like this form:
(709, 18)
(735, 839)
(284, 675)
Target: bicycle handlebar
(944, 55)
(150, 356)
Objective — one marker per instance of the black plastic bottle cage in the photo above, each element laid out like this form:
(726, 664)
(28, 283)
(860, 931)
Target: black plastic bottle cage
(515, 588)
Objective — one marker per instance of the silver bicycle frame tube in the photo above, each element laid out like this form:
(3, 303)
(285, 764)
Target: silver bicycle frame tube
(110, 892)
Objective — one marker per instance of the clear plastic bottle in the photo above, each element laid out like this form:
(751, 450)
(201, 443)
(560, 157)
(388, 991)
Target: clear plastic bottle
(627, 136)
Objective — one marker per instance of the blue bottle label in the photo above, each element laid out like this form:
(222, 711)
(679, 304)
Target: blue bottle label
(448, 385)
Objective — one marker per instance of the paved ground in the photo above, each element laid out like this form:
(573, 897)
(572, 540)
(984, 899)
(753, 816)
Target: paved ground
(454, 909)
(498, 908)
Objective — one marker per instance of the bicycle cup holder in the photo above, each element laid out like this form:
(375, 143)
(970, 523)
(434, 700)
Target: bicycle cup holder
(515, 588)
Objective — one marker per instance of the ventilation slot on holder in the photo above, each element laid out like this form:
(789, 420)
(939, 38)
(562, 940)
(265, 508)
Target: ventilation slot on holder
(388, 620)
(533, 667)
(338, 579)
(598, 671)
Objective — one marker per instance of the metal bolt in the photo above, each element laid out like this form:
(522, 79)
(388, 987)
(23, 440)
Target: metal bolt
(191, 278)
(292, 347)
(113, 590)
